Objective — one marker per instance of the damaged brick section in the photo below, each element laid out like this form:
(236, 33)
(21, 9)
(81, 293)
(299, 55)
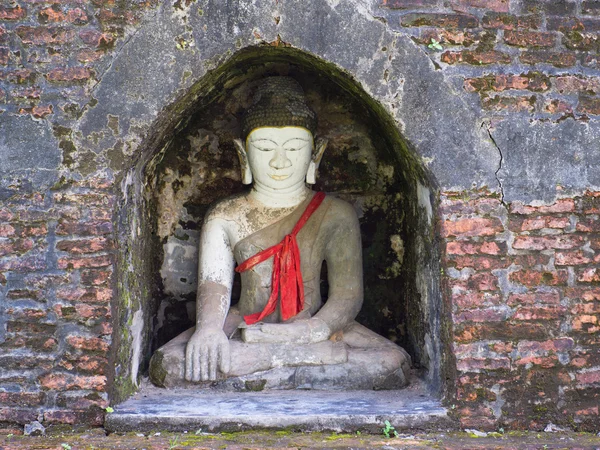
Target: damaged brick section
(502, 37)
(56, 270)
(525, 292)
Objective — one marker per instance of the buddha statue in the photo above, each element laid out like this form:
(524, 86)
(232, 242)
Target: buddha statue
(281, 334)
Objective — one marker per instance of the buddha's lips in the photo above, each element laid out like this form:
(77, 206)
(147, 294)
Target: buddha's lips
(279, 177)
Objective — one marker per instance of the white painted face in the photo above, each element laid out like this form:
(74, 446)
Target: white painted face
(279, 157)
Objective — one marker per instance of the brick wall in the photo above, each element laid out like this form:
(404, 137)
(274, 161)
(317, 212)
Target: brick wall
(526, 309)
(55, 272)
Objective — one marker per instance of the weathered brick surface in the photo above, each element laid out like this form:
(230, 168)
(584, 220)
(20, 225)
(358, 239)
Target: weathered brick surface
(503, 36)
(527, 317)
(56, 274)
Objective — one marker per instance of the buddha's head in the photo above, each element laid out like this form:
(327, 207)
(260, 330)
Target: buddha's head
(278, 148)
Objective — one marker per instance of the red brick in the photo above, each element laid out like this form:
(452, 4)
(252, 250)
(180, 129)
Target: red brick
(39, 112)
(480, 262)
(571, 258)
(94, 417)
(571, 83)
(82, 312)
(18, 415)
(95, 277)
(76, 16)
(531, 81)
(8, 13)
(44, 35)
(543, 312)
(82, 246)
(564, 242)
(536, 278)
(471, 300)
(28, 93)
(24, 264)
(481, 315)
(6, 230)
(510, 21)
(586, 308)
(590, 275)
(556, 59)
(476, 57)
(84, 262)
(439, 20)
(16, 247)
(589, 377)
(62, 381)
(96, 39)
(587, 293)
(490, 5)
(403, 4)
(94, 228)
(509, 104)
(88, 56)
(91, 344)
(20, 76)
(588, 225)
(22, 398)
(546, 298)
(471, 248)
(590, 203)
(589, 105)
(471, 227)
(560, 206)
(585, 322)
(479, 282)
(87, 295)
(529, 38)
(69, 74)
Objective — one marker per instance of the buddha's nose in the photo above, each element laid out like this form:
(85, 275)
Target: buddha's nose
(280, 159)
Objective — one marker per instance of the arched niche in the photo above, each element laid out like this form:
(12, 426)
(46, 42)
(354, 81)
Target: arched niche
(189, 162)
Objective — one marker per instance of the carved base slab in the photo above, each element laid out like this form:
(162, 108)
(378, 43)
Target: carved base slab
(187, 410)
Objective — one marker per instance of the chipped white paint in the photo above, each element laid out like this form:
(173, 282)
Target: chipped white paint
(424, 199)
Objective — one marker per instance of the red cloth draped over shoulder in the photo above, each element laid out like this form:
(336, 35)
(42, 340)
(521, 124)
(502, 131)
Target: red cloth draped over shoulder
(287, 274)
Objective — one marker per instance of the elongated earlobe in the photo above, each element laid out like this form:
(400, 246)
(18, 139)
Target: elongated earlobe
(313, 166)
(244, 166)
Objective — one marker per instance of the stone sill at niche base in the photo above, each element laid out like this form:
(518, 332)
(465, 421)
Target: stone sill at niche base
(154, 408)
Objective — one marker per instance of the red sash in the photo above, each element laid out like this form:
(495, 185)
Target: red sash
(287, 274)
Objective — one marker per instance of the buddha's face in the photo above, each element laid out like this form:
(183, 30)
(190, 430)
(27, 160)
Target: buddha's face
(279, 157)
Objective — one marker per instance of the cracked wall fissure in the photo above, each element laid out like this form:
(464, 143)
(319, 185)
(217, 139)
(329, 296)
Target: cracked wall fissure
(489, 132)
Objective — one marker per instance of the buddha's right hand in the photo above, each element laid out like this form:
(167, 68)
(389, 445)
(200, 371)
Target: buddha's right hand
(206, 351)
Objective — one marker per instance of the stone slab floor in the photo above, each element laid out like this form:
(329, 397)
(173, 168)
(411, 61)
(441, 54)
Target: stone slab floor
(98, 439)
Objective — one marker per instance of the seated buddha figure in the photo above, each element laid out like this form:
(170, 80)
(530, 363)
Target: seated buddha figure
(281, 334)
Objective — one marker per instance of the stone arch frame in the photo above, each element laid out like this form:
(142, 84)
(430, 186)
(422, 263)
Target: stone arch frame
(179, 45)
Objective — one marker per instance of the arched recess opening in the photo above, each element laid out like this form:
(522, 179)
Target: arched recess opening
(189, 162)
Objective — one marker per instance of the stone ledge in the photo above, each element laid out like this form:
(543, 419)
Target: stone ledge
(187, 410)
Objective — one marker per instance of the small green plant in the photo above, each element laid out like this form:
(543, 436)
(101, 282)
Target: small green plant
(388, 430)
(109, 410)
(173, 442)
(65, 446)
(435, 45)
(198, 431)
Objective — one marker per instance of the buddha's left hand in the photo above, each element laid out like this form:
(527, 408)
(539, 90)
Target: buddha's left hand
(298, 332)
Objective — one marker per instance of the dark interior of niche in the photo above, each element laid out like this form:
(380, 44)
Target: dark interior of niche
(362, 165)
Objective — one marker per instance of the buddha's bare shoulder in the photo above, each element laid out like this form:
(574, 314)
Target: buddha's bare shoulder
(228, 208)
(340, 212)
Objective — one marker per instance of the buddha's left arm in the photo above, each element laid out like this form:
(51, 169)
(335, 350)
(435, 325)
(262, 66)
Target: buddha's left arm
(343, 255)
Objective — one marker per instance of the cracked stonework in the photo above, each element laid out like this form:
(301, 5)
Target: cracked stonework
(489, 132)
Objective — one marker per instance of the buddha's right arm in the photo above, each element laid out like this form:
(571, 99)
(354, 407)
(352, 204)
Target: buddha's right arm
(215, 275)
